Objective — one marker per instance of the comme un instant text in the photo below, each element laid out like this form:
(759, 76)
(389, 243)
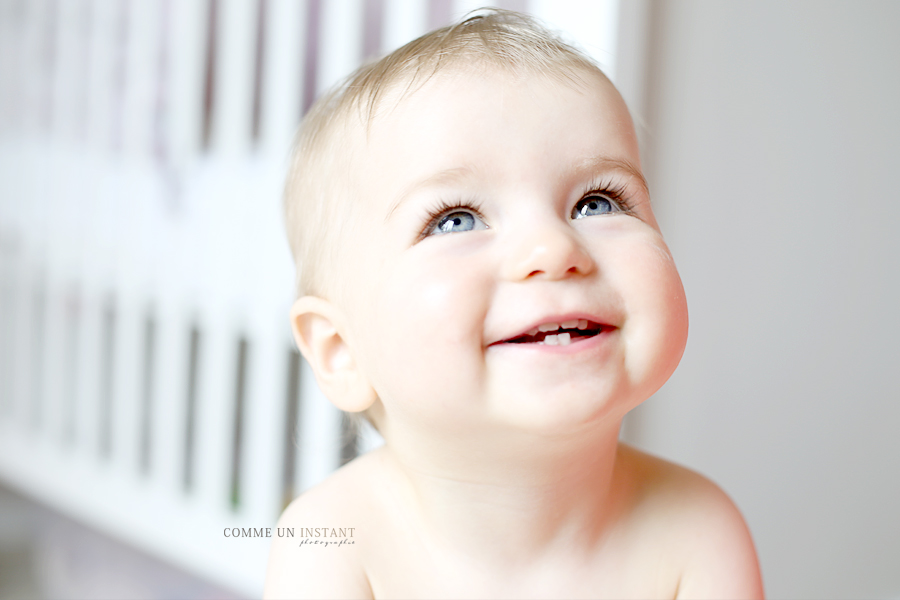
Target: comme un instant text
(301, 532)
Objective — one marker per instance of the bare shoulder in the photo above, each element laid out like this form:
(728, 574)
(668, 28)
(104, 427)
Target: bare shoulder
(318, 555)
(703, 528)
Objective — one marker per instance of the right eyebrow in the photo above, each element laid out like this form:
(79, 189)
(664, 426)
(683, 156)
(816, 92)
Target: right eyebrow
(602, 162)
(444, 177)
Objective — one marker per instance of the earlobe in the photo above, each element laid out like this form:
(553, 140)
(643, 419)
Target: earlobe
(318, 327)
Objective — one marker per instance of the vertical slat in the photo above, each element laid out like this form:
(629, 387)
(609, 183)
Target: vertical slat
(36, 58)
(188, 467)
(119, 74)
(340, 50)
(101, 254)
(440, 13)
(282, 83)
(262, 460)
(8, 43)
(90, 349)
(7, 327)
(37, 297)
(235, 59)
(101, 81)
(70, 75)
(241, 378)
(214, 401)
(58, 244)
(593, 26)
(11, 28)
(129, 307)
(290, 476)
(185, 65)
(404, 21)
(171, 386)
(319, 443)
(22, 341)
(32, 192)
(8, 313)
(140, 76)
(9, 236)
(373, 29)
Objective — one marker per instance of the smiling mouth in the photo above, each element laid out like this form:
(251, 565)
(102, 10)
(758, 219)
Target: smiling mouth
(558, 334)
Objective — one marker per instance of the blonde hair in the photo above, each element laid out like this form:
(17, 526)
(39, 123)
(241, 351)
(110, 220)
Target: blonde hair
(487, 39)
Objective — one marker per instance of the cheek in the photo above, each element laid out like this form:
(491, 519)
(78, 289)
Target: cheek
(442, 303)
(429, 324)
(657, 323)
(672, 306)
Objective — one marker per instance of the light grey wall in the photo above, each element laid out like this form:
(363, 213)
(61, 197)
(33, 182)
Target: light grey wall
(774, 159)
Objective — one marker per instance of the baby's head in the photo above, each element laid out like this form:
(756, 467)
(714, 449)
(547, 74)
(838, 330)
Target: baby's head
(316, 189)
(474, 240)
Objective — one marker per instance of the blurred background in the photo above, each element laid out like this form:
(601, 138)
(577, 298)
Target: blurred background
(150, 396)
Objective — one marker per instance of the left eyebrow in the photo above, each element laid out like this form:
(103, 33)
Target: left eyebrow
(444, 177)
(606, 163)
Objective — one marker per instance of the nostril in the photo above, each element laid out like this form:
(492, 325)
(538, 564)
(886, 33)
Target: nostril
(550, 253)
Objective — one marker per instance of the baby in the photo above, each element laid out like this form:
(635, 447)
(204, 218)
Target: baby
(481, 273)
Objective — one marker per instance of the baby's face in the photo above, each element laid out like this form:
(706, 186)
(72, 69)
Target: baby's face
(488, 209)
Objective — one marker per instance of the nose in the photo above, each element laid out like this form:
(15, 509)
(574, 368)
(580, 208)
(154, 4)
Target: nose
(551, 251)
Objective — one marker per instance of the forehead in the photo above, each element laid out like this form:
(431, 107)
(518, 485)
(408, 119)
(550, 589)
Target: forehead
(466, 117)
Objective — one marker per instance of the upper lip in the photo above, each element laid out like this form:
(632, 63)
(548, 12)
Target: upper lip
(564, 321)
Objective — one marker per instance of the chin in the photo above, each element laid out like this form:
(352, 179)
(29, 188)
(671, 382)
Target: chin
(568, 412)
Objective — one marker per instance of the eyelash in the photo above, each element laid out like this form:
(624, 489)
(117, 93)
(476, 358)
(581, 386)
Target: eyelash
(616, 193)
(442, 209)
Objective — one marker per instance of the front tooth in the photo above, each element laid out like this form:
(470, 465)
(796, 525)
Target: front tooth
(533, 332)
(582, 323)
(564, 338)
(548, 327)
(552, 340)
(570, 324)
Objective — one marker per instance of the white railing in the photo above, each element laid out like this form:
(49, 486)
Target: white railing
(148, 382)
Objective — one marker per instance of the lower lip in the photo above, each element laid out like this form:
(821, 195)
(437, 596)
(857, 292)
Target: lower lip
(575, 346)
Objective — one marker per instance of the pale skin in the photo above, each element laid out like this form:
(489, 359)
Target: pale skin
(487, 205)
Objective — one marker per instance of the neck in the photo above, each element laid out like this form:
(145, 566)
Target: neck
(512, 496)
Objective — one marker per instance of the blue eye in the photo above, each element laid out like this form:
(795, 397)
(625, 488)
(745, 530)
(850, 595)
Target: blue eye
(595, 205)
(456, 221)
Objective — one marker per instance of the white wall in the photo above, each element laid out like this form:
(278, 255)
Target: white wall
(774, 157)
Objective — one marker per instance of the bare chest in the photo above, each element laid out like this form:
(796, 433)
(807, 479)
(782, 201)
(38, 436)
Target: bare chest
(408, 566)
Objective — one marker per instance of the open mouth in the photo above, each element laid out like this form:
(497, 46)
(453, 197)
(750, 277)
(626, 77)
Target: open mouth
(558, 334)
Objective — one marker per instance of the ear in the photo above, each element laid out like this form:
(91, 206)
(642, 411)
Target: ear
(318, 327)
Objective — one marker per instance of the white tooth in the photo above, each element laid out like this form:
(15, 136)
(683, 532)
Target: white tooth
(564, 338)
(548, 327)
(582, 323)
(533, 332)
(570, 324)
(552, 340)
